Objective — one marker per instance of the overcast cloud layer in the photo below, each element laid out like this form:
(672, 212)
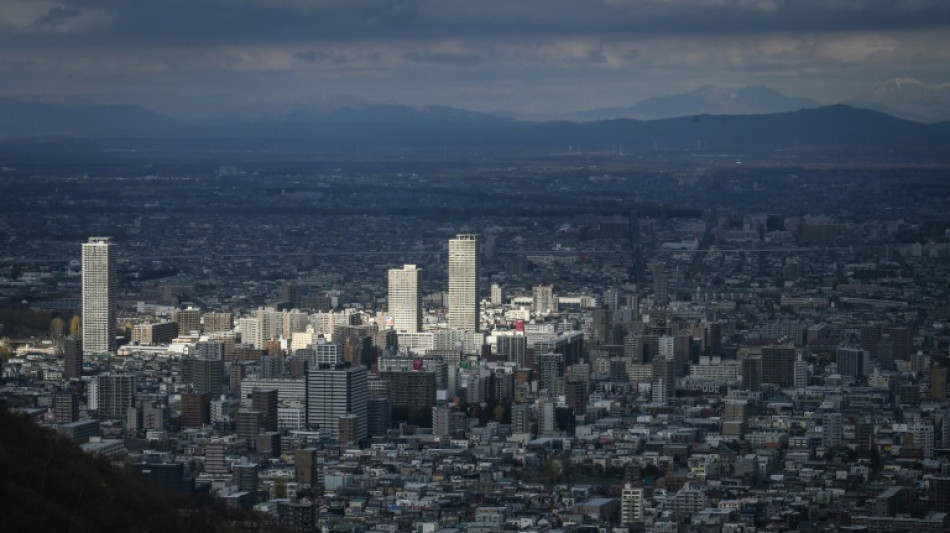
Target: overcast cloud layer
(201, 56)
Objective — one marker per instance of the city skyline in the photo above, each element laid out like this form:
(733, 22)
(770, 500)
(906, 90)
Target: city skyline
(671, 340)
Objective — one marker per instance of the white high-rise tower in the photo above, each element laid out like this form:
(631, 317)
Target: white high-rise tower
(98, 295)
(405, 299)
(464, 266)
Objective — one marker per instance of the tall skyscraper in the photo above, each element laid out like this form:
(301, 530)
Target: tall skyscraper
(464, 267)
(405, 299)
(98, 295)
(336, 391)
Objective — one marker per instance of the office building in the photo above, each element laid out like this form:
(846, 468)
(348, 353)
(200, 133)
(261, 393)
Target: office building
(497, 295)
(209, 350)
(923, 435)
(217, 322)
(412, 395)
(659, 391)
(575, 394)
(665, 370)
(325, 353)
(245, 478)
(152, 334)
(265, 402)
(336, 391)
(115, 393)
(98, 296)
(251, 333)
(207, 375)
(602, 326)
(195, 409)
(378, 415)
(349, 427)
(832, 429)
(216, 461)
(248, 425)
(306, 466)
(464, 268)
(939, 368)
(852, 361)
(299, 517)
(513, 348)
(751, 368)
(72, 358)
(65, 408)
(551, 368)
(188, 320)
(521, 418)
(271, 367)
(631, 505)
(405, 299)
(542, 300)
(289, 391)
(357, 342)
(778, 365)
(801, 372)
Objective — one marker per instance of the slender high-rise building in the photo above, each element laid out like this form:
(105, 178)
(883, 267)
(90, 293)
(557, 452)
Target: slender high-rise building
(72, 358)
(98, 295)
(464, 266)
(405, 299)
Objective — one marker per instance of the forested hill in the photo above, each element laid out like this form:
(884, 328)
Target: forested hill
(47, 484)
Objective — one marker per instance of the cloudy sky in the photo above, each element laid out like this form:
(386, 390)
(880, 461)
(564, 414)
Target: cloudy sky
(192, 57)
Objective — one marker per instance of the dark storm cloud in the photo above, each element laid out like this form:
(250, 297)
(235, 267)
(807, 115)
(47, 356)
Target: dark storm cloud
(476, 53)
(237, 22)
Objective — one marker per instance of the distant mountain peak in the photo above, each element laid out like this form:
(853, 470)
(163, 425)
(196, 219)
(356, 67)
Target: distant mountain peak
(707, 99)
(901, 85)
(908, 98)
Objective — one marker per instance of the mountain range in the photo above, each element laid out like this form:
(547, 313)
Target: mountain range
(750, 119)
(706, 100)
